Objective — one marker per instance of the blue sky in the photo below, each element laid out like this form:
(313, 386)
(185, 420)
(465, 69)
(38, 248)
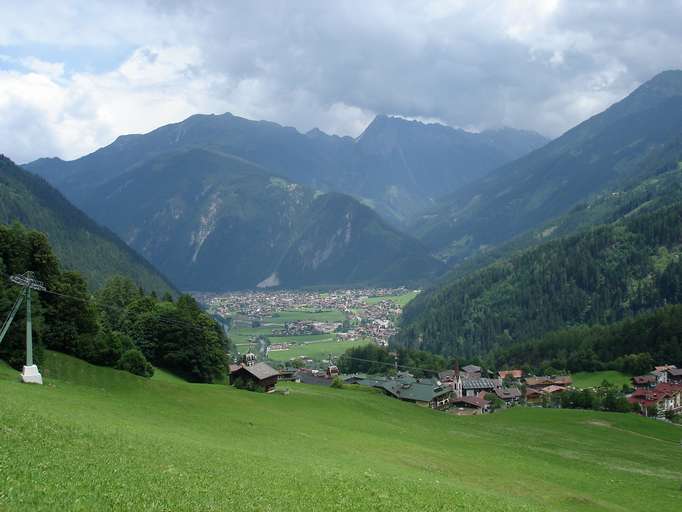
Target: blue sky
(75, 75)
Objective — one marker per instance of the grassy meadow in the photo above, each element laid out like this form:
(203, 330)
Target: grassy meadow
(99, 439)
(316, 350)
(582, 380)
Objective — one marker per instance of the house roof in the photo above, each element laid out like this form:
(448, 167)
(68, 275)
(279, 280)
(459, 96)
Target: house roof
(507, 393)
(471, 368)
(514, 374)
(553, 389)
(546, 380)
(648, 397)
(417, 391)
(675, 372)
(234, 367)
(480, 384)
(644, 379)
(261, 371)
(471, 400)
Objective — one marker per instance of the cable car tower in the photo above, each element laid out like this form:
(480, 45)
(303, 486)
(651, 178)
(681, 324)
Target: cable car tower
(28, 282)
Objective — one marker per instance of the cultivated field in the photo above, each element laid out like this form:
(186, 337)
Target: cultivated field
(99, 439)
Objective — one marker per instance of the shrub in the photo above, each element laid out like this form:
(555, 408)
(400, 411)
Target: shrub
(133, 361)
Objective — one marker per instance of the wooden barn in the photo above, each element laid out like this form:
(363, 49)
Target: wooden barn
(258, 374)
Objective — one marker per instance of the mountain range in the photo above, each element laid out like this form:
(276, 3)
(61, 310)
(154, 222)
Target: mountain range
(221, 202)
(397, 166)
(213, 221)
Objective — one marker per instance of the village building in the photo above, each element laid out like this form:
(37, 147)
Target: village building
(644, 381)
(512, 374)
(509, 396)
(467, 405)
(662, 373)
(259, 375)
(664, 398)
(546, 380)
(472, 387)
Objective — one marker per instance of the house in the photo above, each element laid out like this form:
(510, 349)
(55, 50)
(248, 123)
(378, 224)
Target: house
(662, 399)
(512, 374)
(643, 381)
(547, 380)
(471, 371)
(471, 387)
(423, 392)
(473, 404)
(509, 396)
(257, 375)
(552, 389)
(533, 395)
(674, 375)
(662, 372)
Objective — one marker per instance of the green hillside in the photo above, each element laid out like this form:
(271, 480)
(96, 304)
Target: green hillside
(79, 242)
(95, 438)
(596, 277)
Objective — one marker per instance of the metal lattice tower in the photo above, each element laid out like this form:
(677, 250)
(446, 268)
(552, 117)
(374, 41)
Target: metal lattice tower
(28, 282)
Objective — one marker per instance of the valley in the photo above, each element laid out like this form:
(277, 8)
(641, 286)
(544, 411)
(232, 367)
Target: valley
(308, 326)
(379, 256)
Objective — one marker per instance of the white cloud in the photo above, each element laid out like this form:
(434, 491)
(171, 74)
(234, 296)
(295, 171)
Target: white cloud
(536, 65)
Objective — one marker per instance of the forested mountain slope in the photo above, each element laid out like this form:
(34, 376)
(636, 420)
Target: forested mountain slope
(212, 221)
(397, 165)
(599, 276)
(601, 153)
(78, 241)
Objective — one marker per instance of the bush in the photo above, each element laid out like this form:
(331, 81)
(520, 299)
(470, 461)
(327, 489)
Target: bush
(337, 383)
(133, 361)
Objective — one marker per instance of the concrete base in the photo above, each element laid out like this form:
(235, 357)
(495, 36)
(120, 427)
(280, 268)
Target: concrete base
(31, 375)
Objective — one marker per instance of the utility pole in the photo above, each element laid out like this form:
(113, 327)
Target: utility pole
(30, 374)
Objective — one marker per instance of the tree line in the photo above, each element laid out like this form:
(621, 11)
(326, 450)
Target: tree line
(120, 325)
(631, 346)
(600, 276)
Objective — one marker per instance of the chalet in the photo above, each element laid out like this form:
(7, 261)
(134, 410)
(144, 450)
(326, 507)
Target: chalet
(257, 374)
(664, 398)
(512, 374)
(509, 396)
(471, 371)
(643, 381)
(533, 395)
(474, 404)
(552, 389)
(546, 380)
(662, 372)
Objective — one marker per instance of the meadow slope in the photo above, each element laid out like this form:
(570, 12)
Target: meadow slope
(99, 439)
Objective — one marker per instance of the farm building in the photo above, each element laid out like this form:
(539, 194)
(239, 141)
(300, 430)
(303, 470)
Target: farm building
(257, 375)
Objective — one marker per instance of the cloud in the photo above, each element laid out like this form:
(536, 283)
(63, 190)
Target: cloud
(535, 65)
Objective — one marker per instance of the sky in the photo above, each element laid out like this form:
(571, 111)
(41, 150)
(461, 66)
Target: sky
(75, 75)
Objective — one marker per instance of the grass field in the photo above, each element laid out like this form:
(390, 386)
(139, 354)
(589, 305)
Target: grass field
(583, 380)
(99, 439)
(316, 350)
(401, 300)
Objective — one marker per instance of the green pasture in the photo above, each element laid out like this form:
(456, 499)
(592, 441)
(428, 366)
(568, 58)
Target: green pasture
(99, 439)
